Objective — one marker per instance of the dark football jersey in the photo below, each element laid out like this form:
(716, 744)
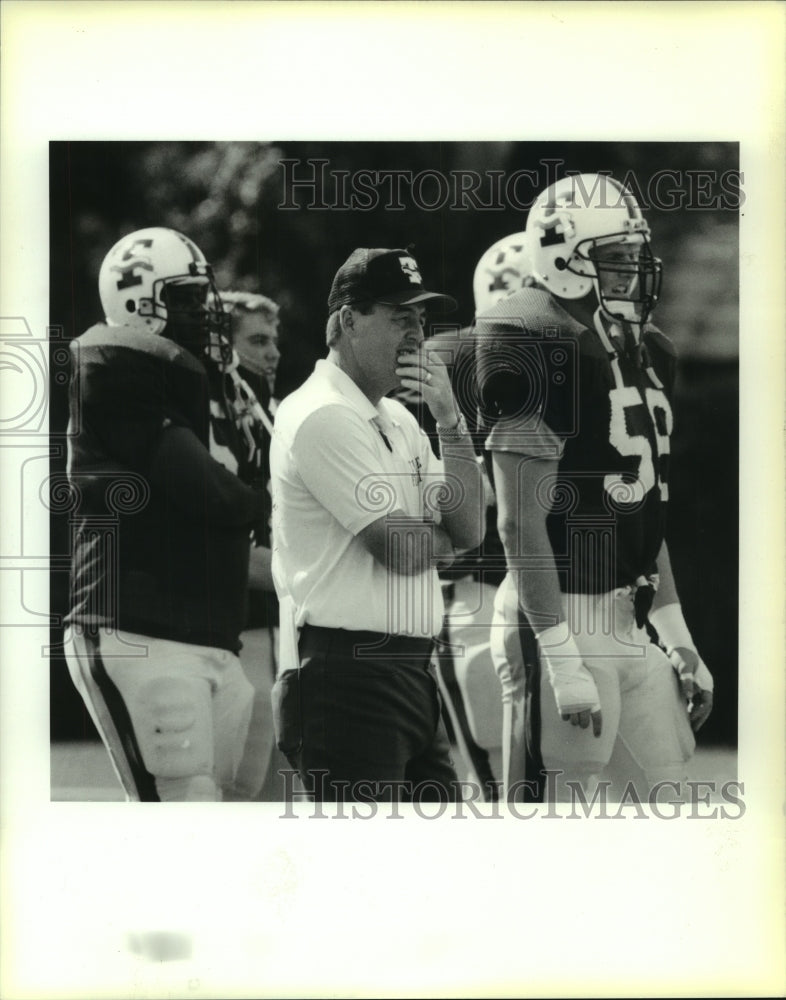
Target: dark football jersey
(567, 392)
(161, 530)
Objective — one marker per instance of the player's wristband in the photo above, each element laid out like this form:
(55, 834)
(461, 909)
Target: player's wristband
(669, 623)
(674, 633)
(573, 685)
(704, 677)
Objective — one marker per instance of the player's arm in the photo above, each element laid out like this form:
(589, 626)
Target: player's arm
(260, 573)
(139, 430)
(669, 622)
(406, 545)
(523, 507)
(343, 472)
(196, 484)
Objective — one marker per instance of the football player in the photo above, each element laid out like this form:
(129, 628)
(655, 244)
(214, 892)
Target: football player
(502, 270)
(161, 532)
(241, 422)
(467, 673)
(575, 386)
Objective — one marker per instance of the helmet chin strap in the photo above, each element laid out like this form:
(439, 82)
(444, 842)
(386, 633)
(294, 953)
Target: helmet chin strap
(622, 307)
(619, 336)
(621, 311)
(622, 317)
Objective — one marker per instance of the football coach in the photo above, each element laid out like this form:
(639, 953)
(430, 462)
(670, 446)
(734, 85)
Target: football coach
(364, 514)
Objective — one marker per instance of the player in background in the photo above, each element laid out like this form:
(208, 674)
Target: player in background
(468, 680)
(467, 677)
(161, 532)
(255, 338)
(242, 382)
(575, 386)
(504, 269)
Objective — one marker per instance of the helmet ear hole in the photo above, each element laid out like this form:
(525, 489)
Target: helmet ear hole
(560, 263)
(130, 305)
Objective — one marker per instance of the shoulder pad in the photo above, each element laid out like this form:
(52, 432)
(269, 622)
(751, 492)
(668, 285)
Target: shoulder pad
(533, 309)
(153, 345)
(524, 343)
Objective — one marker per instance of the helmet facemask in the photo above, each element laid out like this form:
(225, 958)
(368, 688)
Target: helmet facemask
(627, 284)
(157, 281)
(192, 311)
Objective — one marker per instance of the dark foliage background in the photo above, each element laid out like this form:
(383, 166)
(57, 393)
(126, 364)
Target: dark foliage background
(227, 196)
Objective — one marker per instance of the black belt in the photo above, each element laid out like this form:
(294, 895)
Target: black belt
(363, 644)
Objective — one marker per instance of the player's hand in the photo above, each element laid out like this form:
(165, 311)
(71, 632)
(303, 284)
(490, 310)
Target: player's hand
(696, 684)
(699, 709)
(584, 718)
(575, 691)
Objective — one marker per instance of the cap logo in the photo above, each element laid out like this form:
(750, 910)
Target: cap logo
(410, 268)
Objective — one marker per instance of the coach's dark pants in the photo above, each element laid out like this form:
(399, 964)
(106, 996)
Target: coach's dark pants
(360, 720)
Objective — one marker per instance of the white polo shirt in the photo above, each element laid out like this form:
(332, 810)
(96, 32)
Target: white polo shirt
(333, 474)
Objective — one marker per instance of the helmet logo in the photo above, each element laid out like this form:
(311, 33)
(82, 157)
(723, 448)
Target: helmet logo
(129, 277)
(501, 279)
(551, 235)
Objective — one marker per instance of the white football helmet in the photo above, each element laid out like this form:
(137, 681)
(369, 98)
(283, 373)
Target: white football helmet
(137, 281)
(502, 270)
(568, 225)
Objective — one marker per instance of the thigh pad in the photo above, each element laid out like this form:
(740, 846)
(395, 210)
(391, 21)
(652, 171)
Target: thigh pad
(173, 724)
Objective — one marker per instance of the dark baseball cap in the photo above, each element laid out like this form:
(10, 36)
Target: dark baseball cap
(390, 277)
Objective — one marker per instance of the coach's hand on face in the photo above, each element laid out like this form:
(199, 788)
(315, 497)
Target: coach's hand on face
(423, 372)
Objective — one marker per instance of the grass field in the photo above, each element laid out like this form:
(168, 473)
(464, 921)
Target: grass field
(81, 772)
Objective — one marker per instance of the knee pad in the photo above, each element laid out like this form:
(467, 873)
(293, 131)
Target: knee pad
(173, 725)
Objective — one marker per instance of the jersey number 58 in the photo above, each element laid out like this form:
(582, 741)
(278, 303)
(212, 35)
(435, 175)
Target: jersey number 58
(628, 435)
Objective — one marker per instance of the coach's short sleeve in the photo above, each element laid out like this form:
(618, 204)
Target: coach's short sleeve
(337, 458)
